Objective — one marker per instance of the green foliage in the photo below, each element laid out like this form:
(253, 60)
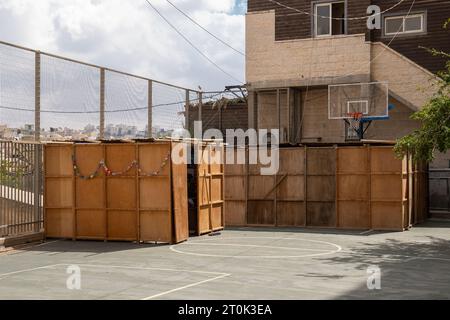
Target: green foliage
(7, 177)
(434, 135)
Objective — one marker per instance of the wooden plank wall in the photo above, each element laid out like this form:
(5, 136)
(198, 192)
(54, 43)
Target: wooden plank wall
(211, 187)
(132, 206)
(329, 187)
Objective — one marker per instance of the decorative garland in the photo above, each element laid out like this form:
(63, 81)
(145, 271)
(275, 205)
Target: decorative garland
(109, 173)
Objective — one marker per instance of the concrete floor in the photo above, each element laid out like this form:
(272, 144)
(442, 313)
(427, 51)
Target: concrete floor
(239, 264)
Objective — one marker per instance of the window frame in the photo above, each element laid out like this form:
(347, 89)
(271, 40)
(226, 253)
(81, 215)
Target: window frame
(423, 23)
(323, 3)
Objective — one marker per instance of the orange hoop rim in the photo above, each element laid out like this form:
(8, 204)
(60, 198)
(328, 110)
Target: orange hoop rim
(356, 115)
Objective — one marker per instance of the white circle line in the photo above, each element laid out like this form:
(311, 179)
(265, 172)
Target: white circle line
(331, 252)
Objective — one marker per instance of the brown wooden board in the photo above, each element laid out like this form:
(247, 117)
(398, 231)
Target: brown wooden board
(59, 191)
(180, 197)
(348, 187)
(155, 193)
(129, 205)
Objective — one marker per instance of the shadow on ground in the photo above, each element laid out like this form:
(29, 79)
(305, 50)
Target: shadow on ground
(409, 270)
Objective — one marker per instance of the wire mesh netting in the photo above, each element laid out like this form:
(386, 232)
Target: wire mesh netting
(168, 110)
(126, 106)
(75, 97)
(70, 99)
(17, 93)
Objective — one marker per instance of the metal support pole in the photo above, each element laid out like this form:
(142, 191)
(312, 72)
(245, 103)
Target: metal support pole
(37, 182)
(200, 106)
(150, 110)
(102, 104)
(37, 97)
(187, 110)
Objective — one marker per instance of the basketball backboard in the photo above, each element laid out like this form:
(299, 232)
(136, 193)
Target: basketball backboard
(369, 99)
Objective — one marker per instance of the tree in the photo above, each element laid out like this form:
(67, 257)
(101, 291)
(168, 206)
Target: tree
(434, 134)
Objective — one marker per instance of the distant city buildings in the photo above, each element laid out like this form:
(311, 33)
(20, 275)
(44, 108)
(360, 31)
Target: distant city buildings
(89, 133)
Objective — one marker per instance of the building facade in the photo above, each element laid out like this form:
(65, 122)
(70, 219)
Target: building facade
(297, 48)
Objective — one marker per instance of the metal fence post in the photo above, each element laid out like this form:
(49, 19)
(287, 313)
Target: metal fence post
(150, 109)
(102, 104)
(37, 97)
(37, 187)
(187, 110)
(200, 106)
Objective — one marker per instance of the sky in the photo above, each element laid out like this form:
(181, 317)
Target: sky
(126, 35)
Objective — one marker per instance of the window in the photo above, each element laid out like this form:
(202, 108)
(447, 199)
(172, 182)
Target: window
(329, 19)
(404, 24)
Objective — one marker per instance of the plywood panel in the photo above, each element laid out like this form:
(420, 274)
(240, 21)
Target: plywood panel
(152, 156)
(384, 160)
(156, 226)
(204, 190)
(321, 161)
(216, 189)
(291, 214)
(122, 225)
(387, 188)
(180, 197)
(120, 156)
(58, 160)
(59, 223)
(254, 153)
(235, 188)
(321, 188)
(387, 216)
(217, 222)
(121, 193)
(91, 224)
(88, 158)
(59, 193)
(155, 193)
(261, 213)
(217, 159)
(204, 160)
(291, 188)
(321, 214)
(237, 164)
(235, 214)
(204, 219)
(261, 187)
(353, 160)
(292, 161)
(354, 215)
(353, 187)
(90, 193)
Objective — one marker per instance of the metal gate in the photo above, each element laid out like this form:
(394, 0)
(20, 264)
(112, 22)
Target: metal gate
(440, 193)
(21, 188)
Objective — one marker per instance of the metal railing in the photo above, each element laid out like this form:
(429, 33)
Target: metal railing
(21, 188)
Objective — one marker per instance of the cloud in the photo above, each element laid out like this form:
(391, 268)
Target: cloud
(130, 36)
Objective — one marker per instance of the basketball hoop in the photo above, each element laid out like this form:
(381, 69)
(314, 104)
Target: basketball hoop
(355, 121)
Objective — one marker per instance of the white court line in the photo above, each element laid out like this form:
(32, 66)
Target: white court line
(328, 252)
(219, 275)
(366, 232)
(2, 276)
(253, 246)
(185, 287)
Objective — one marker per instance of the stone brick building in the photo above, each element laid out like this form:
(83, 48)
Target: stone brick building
(293, 54)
